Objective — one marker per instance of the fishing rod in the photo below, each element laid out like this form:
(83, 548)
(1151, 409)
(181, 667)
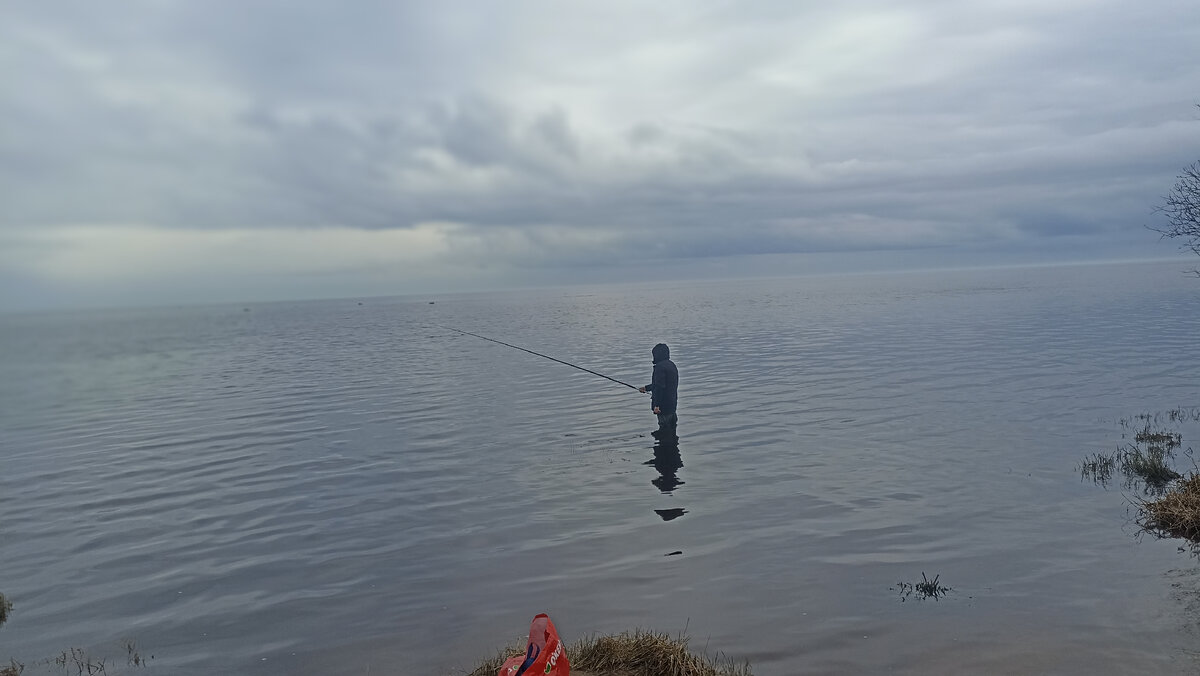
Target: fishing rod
(544, 356)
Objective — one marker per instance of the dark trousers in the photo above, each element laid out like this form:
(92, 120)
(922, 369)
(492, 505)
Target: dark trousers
(667, 423)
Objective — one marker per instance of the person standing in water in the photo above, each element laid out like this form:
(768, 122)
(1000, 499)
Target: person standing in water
(664, 391)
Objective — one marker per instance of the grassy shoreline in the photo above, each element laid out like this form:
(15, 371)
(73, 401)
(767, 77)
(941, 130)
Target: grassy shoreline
(632, 653)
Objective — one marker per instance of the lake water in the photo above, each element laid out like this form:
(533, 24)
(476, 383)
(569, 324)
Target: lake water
(344, 487)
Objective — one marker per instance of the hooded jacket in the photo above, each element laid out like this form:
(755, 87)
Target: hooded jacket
(664, 388)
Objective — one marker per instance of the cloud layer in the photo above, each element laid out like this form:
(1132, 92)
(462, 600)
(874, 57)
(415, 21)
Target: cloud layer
(161, 142)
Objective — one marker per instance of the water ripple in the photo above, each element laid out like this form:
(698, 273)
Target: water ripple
(334, 481)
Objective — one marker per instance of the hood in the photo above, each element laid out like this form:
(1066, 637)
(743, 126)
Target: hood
(661, 352)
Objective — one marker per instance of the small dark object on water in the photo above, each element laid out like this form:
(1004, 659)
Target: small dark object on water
(245, 309)
(431, 302)
(669, 514)
(674, 553)
(925, 589)
(360, 303)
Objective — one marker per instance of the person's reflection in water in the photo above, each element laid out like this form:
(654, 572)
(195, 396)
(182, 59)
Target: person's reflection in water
(666, 460)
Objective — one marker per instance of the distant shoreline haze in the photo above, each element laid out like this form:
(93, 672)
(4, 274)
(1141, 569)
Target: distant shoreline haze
(20, 296)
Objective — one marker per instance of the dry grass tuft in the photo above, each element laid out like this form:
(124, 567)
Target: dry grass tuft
(1176, 513)
(490, 666)
(635, 653)
(647, 653)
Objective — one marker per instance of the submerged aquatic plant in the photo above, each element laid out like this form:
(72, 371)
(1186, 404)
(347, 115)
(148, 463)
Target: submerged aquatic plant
(80, 662)
(1098, 467)
(133, 656)
(76, 659)
(1146, 469)
(931, 588)
(1158, 438)
(1176, 415)
(1152, 465)
(1147, 462)
(924, 589)
(1184, 415)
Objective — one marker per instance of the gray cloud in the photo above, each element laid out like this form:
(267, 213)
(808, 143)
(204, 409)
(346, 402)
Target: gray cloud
(673, 130)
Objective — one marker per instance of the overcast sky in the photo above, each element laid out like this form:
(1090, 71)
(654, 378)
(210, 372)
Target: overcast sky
(166, 151)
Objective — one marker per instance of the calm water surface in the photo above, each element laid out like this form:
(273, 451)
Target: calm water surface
(332, 487)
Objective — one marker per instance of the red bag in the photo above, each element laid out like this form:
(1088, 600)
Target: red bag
(544, 655)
